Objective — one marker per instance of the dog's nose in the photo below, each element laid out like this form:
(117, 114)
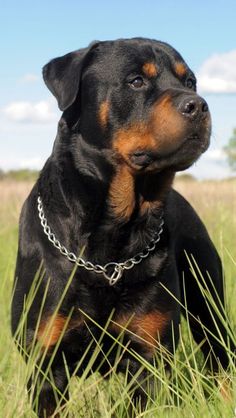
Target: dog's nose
(193, 107)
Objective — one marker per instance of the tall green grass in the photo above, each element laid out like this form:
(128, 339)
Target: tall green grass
(190, 391)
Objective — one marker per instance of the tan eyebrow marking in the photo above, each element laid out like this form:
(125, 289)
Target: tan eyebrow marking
(150, 69)
(104, 113)
(180, 69)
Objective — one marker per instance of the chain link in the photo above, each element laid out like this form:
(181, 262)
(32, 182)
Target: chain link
(111, 271)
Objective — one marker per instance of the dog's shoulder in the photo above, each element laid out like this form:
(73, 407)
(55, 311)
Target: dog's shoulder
(181, 217)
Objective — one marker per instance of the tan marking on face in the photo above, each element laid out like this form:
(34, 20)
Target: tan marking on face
(150, 69)
(121, 193)
(160, 133)
(132, 138)
(148, 327)
(103, 113)
(180, 69)
(168, 125)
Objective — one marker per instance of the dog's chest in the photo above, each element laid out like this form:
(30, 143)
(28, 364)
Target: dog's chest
(138, 291)
(131, 313)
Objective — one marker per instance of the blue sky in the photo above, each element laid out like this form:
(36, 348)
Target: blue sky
(33, 33)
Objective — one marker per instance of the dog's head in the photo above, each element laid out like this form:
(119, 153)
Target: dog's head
(136, 98)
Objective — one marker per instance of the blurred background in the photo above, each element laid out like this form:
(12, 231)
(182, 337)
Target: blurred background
(33, 33)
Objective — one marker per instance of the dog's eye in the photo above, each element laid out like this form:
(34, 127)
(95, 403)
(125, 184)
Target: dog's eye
(137, 82)
(190, 83)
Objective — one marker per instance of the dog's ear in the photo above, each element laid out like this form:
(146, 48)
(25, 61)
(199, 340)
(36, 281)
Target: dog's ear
(62, 76)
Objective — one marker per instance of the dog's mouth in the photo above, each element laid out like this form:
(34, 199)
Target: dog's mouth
(166, 140)
(179, 159)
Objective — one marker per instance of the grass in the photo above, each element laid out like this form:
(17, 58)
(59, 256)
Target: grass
(190, 392)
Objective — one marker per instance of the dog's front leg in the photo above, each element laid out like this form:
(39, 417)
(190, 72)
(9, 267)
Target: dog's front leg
(48, 388)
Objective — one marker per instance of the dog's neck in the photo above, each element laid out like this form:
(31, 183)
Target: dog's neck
(110, 191)
(140, 195)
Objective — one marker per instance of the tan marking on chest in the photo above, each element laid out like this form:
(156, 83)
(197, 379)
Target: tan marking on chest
(50, 330)
(148, 327)
(150, 69)
(121, 193)
(53, 328)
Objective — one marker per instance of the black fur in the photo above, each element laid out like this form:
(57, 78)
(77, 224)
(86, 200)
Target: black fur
(75, 187)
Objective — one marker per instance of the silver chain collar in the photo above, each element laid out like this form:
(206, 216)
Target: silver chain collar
(111, 271)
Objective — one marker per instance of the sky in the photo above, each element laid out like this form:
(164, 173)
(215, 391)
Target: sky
(32, 33)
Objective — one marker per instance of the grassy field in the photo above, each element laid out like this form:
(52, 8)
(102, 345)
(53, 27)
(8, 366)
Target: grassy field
(191, 393)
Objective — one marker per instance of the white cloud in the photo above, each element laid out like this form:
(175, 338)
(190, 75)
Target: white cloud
(203, 169)
(217, 74)
(29, 78)
(215, 155)
(29, 112)
(33, 163)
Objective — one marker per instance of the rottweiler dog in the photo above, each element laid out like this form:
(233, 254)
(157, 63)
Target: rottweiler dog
(104, 203)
